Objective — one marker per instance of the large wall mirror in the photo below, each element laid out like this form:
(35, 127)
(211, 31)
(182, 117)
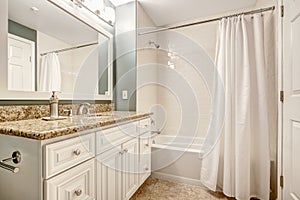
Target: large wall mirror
(50, 50)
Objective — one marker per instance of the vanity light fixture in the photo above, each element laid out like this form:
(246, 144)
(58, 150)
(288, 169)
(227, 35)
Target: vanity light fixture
(98, 12)
(78, 3)
(34, 9)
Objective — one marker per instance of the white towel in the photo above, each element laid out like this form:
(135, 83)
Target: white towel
(50, 73)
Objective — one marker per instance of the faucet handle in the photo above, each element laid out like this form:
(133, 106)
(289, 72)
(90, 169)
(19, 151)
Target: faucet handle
(90, 110)
(69, 111)
(84, 106)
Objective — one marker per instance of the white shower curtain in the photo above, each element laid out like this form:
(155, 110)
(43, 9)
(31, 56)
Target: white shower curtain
(50, 73)
(236, 159)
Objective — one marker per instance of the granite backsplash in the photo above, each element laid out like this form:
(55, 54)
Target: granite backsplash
(24, 112)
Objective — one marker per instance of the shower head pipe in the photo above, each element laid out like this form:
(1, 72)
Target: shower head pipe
(153, 43)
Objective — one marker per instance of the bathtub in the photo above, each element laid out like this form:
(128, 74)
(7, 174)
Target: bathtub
(176, 158)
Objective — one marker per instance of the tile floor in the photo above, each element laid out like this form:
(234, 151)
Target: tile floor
(157, 189)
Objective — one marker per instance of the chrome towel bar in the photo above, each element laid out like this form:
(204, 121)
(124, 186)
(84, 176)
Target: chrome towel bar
(15, 158)
(9, 168)
(156, 132)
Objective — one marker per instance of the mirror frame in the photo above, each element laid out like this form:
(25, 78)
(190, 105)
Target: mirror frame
(5, 94)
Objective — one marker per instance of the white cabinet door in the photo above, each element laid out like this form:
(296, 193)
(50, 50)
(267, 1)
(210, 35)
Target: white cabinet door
(21, 65)
(291, 105)
(145, 159)
(130, 163)
(118, 169)
(109, 182)
(77, 183)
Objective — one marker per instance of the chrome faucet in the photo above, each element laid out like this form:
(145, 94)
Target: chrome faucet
(83, 106)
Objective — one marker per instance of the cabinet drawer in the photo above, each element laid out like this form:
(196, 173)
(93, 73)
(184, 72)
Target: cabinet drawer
(66, 154)
(144, 126)
(75, 184)
(112, 137)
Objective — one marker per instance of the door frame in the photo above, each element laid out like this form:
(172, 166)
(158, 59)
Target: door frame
(280, 3)
(33, 64)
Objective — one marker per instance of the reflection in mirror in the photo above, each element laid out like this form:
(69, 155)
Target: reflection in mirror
(21, 57)
(47, 48)
(104, 9)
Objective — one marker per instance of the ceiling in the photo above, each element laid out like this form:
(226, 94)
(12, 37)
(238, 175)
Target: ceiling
(166, 12)
(50, 20)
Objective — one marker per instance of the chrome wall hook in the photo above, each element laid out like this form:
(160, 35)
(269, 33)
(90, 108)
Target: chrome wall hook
(15, 158)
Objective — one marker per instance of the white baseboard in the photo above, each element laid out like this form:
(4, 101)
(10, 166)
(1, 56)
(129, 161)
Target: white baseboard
(177, 179)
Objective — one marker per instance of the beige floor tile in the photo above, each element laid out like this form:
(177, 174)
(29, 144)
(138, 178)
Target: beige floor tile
(157, 189)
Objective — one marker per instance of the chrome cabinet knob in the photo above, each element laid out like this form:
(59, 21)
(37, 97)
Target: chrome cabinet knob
(77, 152)
(78, 192)
(146, 169)
(125, 150)
(146, 145)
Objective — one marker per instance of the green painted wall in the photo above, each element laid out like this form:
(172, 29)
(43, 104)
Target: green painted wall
(125, 57)
(22, 31)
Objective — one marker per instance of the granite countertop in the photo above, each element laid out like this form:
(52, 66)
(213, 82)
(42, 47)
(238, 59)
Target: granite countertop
(39, 129)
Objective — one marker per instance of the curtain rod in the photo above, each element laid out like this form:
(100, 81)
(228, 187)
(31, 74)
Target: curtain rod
(210, 20)
(67, 49)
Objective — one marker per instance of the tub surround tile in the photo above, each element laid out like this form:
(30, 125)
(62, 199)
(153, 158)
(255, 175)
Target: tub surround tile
(39, 129)
(15, 113)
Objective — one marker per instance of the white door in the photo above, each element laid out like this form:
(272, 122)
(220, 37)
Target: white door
(291, 105)
(21, 67)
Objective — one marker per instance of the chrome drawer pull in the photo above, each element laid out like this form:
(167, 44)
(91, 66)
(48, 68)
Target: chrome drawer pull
(77, 152)
(78, 192)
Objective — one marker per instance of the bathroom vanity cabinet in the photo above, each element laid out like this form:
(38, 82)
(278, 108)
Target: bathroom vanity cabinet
(107, 163)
